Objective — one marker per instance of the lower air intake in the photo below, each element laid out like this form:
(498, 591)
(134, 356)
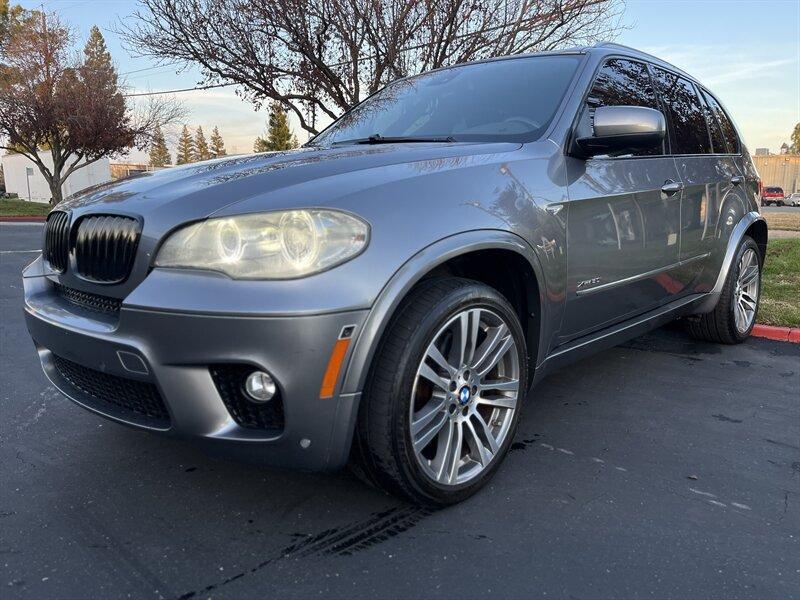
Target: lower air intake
(230, 380)
(137, 401)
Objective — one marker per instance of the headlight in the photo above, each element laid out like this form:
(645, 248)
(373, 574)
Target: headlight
(274, 245)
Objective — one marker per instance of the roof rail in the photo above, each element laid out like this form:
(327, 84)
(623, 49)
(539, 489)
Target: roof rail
(613, 45)
(641, 54)
(624, 47)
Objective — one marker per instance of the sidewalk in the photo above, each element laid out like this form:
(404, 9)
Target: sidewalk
(779, 234)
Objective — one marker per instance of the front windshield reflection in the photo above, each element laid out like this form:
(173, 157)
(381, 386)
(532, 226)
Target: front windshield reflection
(503, 100)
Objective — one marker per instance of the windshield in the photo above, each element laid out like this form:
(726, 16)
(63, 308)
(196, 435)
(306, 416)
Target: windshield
(503, 100)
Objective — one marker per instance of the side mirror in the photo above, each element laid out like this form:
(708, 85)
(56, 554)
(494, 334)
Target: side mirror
(622, 130)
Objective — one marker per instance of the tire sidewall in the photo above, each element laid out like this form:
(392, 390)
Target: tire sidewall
(472, 296)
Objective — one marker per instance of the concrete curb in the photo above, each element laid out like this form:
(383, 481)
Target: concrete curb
(781, 334)
(23, 219)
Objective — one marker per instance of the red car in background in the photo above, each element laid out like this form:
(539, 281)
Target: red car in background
(772, 195)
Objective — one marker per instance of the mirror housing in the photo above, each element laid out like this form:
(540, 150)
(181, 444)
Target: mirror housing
(622, 130)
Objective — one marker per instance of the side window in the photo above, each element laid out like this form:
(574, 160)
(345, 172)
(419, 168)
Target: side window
(690, 134)
(624, 83)
(728, 130)
(718, 145)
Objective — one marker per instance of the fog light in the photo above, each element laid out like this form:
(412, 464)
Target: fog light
(259, 386)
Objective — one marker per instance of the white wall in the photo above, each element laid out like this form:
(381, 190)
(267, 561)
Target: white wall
(17, 182)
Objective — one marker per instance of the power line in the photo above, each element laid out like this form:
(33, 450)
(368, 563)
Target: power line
(150, 68)
(150, 74)
(180, 91)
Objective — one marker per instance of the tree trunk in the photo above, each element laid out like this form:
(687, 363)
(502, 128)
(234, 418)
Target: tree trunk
(55, 189)
(52, 179)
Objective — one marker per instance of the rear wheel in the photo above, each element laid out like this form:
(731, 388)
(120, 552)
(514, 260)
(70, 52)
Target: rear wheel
(733, 318)
(442, 401)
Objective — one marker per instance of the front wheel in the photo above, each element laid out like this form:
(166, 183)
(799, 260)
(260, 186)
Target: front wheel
(443, 397)
(733, 318)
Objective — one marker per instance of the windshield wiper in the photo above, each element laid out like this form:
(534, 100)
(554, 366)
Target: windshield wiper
(406, 139)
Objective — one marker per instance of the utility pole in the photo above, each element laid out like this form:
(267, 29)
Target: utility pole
(28, 173)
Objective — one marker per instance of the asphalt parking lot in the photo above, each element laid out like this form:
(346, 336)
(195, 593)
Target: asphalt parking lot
(664, 468)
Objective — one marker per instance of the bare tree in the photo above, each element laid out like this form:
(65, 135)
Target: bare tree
(71, 107)
(320, 57)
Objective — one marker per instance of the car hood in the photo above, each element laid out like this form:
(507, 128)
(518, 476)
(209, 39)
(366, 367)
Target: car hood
(175, 195)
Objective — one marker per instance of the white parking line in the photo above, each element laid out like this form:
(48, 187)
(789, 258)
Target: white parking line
(18, 251)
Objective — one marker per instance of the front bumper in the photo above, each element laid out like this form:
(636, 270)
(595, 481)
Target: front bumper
(175, 353)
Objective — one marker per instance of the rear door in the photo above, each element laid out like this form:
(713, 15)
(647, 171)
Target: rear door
(622, 228)
(711, 176)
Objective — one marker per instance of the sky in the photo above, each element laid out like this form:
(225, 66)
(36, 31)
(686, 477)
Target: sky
(746, 51)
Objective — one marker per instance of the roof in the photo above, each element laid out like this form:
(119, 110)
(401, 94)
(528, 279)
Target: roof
(605, 48)
(613, 48)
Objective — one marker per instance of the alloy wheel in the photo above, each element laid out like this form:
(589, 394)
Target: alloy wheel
(745, 294)
(464, 396)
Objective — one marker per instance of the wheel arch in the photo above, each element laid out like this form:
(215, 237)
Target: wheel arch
(759, 232)
(512, 275)
(470, 255)
(752, 224)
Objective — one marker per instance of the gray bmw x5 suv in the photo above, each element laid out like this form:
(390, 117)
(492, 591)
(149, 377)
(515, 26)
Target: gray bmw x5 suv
(387, 295)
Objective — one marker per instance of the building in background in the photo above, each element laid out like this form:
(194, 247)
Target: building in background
(782, 170)
(762, 152)
(784, 148)
(24, 179)
(123, 170)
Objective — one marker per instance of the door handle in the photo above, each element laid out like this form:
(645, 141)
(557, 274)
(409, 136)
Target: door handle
(670, 188)
(737, 180)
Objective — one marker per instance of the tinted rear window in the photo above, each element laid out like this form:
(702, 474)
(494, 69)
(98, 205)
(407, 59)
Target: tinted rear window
(684, 112)
(718, 143)
(503, 100)
(728, 130)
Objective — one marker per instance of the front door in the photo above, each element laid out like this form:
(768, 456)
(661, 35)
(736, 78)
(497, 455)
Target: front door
(623, 222)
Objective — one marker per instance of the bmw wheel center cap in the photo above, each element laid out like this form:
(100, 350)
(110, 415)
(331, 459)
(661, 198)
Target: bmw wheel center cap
(464, 396)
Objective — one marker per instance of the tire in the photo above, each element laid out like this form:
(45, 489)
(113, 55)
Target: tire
(720, 325)
(396, 394)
